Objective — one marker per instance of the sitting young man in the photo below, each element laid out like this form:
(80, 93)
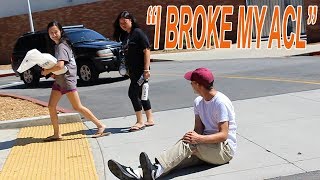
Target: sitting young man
(212, 141)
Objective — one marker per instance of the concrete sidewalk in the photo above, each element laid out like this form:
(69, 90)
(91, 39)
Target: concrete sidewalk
(276, 137)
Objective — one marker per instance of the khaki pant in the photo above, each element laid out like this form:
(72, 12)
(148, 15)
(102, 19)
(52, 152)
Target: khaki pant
(183, 155)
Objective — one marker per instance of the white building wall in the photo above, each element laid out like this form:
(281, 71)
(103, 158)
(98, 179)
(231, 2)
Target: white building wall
(18, 7)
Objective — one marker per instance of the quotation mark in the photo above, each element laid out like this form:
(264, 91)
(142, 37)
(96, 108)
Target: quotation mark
(154, 18)
(312, 14)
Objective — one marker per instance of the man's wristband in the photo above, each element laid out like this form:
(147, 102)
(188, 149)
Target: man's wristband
(146, 70)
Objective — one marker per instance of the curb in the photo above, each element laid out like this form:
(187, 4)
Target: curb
(315, 53)
(67, 115)
(39, 121)
(8, 74)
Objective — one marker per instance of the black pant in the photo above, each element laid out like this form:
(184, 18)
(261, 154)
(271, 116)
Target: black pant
(135, 96)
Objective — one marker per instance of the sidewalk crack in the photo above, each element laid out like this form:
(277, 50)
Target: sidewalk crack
(269, 151)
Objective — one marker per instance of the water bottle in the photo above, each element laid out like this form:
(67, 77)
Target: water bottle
(141, 80)
(122, 70)
(145, 89)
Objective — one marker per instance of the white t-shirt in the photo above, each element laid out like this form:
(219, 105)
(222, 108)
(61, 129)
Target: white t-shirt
(218, 109)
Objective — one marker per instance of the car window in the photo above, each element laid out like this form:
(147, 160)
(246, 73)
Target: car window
(36, 41)
(30, 42)
(39, 42)
(85, 35)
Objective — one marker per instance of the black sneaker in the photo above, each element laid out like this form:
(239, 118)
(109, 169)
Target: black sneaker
(122, 172)
(149, 170)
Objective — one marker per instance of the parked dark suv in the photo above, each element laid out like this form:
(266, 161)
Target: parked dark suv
(93, 52)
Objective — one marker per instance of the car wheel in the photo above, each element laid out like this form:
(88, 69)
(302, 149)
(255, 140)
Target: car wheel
(30, 78)
(87, 72)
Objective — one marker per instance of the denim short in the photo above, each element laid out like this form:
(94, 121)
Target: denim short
(56, 87)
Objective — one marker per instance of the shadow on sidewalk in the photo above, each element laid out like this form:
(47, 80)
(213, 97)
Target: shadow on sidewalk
(89, 132)
(82, 132)
(20, 142)
(30, 140)
(7, 144)
(119, 130)
(188, 171)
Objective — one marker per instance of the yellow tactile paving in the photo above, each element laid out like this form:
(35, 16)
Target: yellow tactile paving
(32, 158)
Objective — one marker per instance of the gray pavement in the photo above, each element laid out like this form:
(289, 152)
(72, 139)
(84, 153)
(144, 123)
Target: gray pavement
(277, 135)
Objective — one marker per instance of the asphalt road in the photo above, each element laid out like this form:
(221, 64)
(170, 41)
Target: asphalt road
(239, 79)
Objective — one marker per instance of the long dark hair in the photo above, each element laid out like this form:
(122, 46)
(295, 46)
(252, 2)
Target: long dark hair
(63, 38)
(119, 34)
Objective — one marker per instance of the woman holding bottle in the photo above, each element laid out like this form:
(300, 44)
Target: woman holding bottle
(137, 54)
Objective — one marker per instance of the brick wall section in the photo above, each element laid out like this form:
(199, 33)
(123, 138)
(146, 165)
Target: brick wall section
(312, 31)
(100, 17)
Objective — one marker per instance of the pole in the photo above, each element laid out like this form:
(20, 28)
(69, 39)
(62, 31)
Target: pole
(30, 17)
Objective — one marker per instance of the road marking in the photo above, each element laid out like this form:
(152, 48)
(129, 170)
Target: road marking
(273, 79)
(11, 84)
(255, 78)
